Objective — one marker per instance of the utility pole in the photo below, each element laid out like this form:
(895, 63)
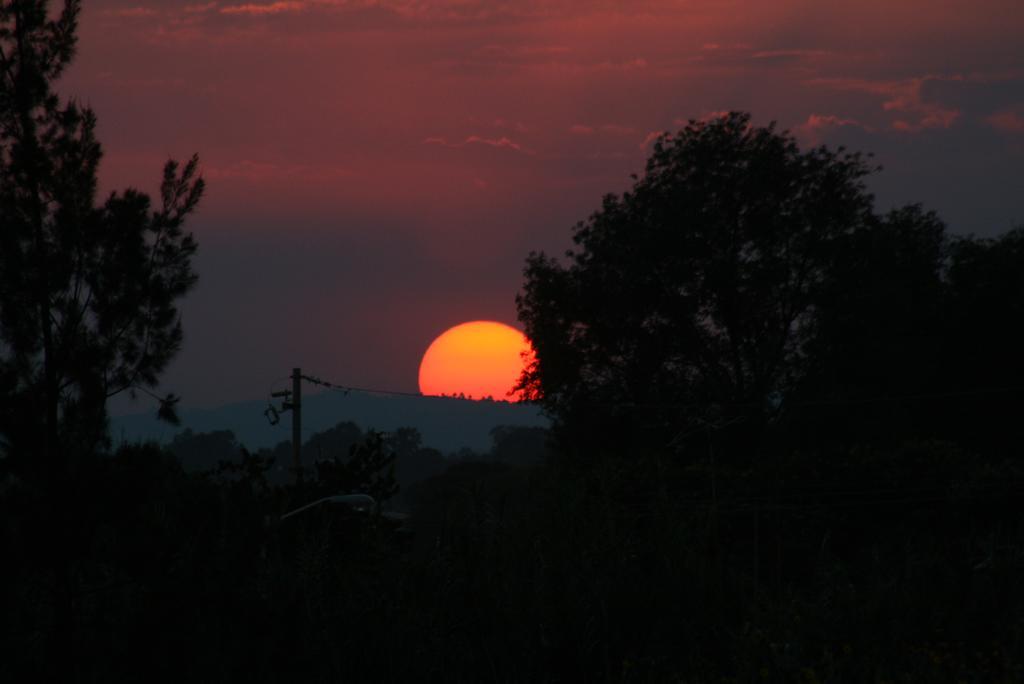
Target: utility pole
(297, 422)
(291, 401)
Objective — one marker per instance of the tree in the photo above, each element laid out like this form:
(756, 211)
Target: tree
(332, 441)
(693, 300)
(203, 451)
(413, 461)
(881, 323)
(88, 293)
(519, 444)
(983, 342)
(368, 469)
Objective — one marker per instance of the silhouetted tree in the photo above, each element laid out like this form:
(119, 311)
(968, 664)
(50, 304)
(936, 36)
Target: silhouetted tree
(88, 296)
(879, 325)
(413, 461)
(983, 338)
(519, 444)
(87, 292)
(698, 286)
(202, 451)
(332, 441)
(368, 469)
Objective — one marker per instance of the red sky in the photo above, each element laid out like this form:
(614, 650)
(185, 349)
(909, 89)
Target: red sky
(378, 170)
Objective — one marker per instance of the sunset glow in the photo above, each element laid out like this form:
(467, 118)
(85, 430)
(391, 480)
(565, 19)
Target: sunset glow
(478, 359)
(406, 156)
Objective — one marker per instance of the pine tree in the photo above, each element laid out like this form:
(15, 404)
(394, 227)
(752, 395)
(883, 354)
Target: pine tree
(88, 291)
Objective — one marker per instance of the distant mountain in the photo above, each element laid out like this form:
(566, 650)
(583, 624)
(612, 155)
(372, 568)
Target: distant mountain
(446, 424)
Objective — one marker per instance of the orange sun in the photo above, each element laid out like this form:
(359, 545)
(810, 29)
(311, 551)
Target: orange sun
(478, 359)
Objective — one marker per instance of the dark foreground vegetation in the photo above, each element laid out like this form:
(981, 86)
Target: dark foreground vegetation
(899, 565)
(786, 444)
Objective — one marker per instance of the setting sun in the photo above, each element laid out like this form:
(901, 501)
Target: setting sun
(478, 359)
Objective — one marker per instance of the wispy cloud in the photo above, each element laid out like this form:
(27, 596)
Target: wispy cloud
(132, 12)
(200, 8)
(818, 125)
(651, 137)
(279, 7)
(503, 142)
(1008, 120)
(494, 142)
(610, 129)
(705, 117)
(904, 99)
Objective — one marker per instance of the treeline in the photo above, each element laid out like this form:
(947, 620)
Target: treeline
(410, 460)
(900, 564)
(181, 564)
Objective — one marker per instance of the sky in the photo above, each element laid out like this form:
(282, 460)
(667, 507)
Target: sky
(378, 170)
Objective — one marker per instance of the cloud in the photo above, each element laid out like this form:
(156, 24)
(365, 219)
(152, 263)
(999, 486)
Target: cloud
(494, 142)
(610, 129)
(705, 117)
(1007, 120)
(651, 137)
(714, 47)
(904, 99)
(502, 142)
(261, 10)
(456, 12)
(201, 8)
(132, 12)
(817, 125)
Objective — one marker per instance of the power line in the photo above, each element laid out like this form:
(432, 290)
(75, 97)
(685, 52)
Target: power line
(346, 389)
(853, 401)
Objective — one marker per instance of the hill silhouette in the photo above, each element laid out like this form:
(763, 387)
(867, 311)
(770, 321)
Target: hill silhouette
(446, 424)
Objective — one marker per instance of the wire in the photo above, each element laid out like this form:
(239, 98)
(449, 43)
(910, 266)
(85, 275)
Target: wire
(346, 389)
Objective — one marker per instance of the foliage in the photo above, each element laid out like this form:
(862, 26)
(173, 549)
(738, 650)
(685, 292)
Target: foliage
(698, 286)
(842, 569)
(413, 460)
(369, 469)
(745, 294)
(985, 333)
(520, 445)
(199, 451)
(334, 441)
(87, 292)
